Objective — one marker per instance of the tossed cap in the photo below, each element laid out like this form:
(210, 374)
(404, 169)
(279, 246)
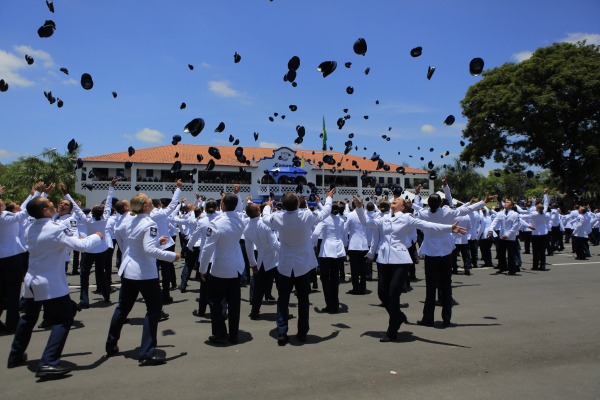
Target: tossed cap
(449, 120)
(114, 94)
(349, 90)
(177, 138)
(210, 166)
(430, 72)
(214, 152)
(294, 63)
(182, 106)
(348, 64)
(220, 128)
(72, 146)
(293, 107)
(255, 136)
(176, 167)
(29, 59)
(64, 71)
(89, 186)
(378, 190)
(47, 30)
(300, 130)
(50, 5)
(194, 127)
(360, 46)
(236, 57)
(327, 67)
(476, 66)
(131, 151)
(416, 52)
(86, 81)
(128, 164)
(199, 157)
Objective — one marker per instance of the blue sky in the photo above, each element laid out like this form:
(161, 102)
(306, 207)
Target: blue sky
(141, 50)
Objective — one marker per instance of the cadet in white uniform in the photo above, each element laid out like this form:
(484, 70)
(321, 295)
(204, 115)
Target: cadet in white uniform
(223, 248)
(137, 235)
(296, 259)
(46, 284)
(94, 223)
(393, 255)
(12, 259)
(358, 246)
(264, 266)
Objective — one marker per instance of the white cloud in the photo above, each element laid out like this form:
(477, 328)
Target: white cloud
(522, 56)
(70, 81)
(223, 89)
(8, 154)
(149, 135)
(205, 65)
(590, 38)
(428, 129)
(269, 145)
(38, 55)
(10, 65)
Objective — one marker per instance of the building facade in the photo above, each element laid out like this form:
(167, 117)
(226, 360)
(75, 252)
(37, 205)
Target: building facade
(152, 171)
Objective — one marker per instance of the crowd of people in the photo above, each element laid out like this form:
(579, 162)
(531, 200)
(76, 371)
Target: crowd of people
(230, 242)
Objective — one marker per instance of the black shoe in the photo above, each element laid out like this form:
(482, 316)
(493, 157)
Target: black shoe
(282, 340)
(151, 361)
(214, 339)
(167, 300)
(50, 371)
(163, 316)
(425, 323)
(174, 286)
(182, 289)
(17, 361)
(83, 306)
(253, 316)
(269, 297)
(197, 313)
(468, 272)
(447, 323)
(74, 273)
(454, 302)
(233, 340)
(45, 324)
(353, 292)
(387, 338)
(112, 350)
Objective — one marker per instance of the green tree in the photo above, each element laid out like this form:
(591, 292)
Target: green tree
(544, 111)
(463, 179)
(50, 166)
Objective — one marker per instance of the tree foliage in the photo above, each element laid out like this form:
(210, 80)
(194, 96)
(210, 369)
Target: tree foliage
(544, 111)
(50, 166)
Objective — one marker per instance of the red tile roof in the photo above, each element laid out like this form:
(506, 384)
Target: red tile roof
(188, 152)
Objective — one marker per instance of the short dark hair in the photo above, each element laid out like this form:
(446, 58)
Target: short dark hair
(156, 203)
(384, 206)
(290, 201)
(35, 207)
(230, 201)
(97, 212)
(120, 206)
(434, 201)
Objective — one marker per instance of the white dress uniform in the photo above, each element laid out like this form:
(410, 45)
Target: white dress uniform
(222, 245)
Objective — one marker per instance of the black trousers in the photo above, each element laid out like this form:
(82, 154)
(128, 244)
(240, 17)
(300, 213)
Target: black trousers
(580, 245)
(167, 274)
(473, 244)
(330, 280)
(11, 276)
(87, 261)
(438, 274)
(526, 239)
(358, 270)
(228, 288)
(485, 246)
(130, 289)
(263, 280)
(60, 311)
(284, 287)
(504, 247)
(465, 254)
(538, 245)
(394, 277)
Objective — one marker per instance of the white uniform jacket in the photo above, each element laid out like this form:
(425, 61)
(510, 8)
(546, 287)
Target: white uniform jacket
(223, 242)
(10, 230)
(47, 242)
(507, 223)
(92, 225)
(138, 239)
(258, 234)
(391, 232)
(295, 228)
(161, 215)
(357, 233)
(437, 244)
(332, 236)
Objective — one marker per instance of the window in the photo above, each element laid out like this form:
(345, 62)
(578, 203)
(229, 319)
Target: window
(381, 180)
(149, 173)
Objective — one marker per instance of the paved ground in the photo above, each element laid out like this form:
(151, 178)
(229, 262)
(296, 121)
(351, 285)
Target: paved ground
(536, 335)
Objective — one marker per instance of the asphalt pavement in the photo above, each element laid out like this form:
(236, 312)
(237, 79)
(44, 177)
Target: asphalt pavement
(531, 336)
